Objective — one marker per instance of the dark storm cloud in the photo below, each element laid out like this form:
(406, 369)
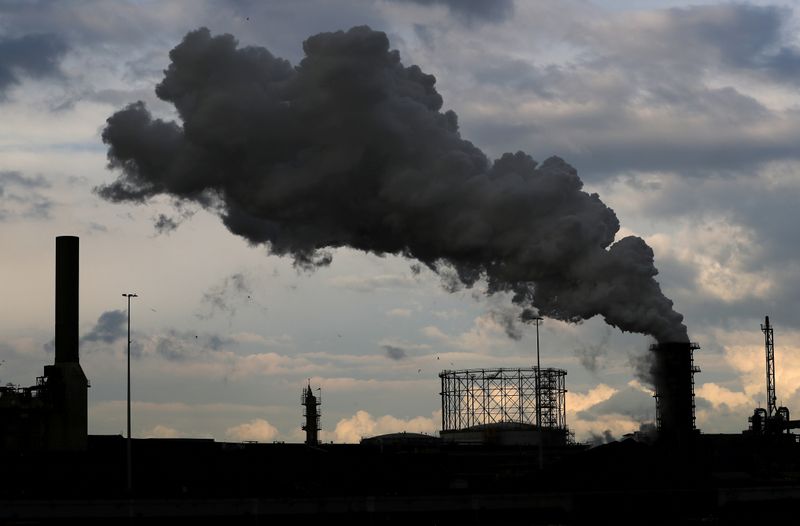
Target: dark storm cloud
(20, 197)
(33, 55)
(349, 148)
(472, 10)
(394, 353)
(110, 326)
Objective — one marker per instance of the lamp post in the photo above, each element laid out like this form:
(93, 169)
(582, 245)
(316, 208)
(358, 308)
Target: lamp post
(130, 485)
(537, 320)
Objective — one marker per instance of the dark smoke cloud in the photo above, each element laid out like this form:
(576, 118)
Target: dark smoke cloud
(394, 353)
(350, 149)
(643, 366)
(590, 355)
(178, 346)
(508, 318)
(110, 326)
(228, 295)
(165, 224)
(34, 55)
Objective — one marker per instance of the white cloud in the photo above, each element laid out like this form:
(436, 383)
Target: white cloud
(485, 334)
(719, 395)
(162, 431)
(721, 252)
(372, 283)
(448, 314)
(577, 402)
(399, 312)
(617, 424)
(362, 425)
(257, 429)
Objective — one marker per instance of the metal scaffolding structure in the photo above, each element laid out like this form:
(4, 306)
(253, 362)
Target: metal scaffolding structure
(474, 397)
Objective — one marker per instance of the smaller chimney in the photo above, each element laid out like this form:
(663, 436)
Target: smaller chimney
(66, 384)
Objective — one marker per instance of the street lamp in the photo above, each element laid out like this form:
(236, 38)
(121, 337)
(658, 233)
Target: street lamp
(130, 485)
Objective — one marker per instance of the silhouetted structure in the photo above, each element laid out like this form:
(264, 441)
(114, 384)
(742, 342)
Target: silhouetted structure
(499, 406)
(485, 469)
(773, 420)
(52, 414)
(673, 374)
(312, 415)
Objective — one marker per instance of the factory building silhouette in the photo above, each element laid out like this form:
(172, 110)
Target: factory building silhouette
(52, 414)
(504, 452)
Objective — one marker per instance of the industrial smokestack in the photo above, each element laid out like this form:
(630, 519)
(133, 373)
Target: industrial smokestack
(66, 299)
(673, 374)
(65, 392)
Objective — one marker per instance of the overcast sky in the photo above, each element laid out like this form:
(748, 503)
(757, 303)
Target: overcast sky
(684, 119)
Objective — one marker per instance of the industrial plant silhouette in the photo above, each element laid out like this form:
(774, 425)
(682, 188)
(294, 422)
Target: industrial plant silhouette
(504, 453)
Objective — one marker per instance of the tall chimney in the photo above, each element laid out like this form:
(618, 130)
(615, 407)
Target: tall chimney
(66, 299)
(65, 395)
(673, 373)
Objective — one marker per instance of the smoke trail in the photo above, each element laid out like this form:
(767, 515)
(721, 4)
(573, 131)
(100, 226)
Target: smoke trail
(350, 149)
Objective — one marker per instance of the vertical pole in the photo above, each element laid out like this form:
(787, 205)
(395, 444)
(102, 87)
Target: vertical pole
(130, 484)
(538, 395)
(128, 442)
(538, 372)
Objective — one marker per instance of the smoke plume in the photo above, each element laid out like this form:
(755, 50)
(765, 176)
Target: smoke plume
(351, 149)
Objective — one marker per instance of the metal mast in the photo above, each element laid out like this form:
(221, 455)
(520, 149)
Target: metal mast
(769, 344)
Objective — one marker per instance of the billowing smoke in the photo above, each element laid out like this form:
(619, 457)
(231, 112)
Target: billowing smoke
(350, 149)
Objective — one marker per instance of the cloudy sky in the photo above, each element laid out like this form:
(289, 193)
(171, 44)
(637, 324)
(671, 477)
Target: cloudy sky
(683, 118)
